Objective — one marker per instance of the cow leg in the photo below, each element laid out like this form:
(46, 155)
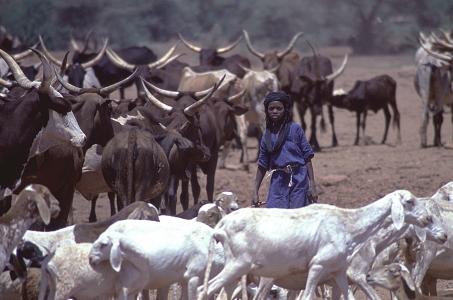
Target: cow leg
(210, 176)
(111, 196)
(196, 189)
(313, 139)
(171, 194)
(65, 196)
(92, 218)
(363, 125)
(437, 120)
(357, 135)
(331, 120)
(184, 197)
(387, 123)
(424, 127)
(226, 149)
(5, 204)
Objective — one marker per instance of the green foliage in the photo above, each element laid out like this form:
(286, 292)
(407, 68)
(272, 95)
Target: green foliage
(369, 26)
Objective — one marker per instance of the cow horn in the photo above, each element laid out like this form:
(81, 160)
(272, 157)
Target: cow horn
(191, 47)
(85, 48)
(440, 41)
(340, 70)
(163, 127)
(163, 92)
(164, 58)
(19, 75)
(118, 61)
(229, 48)
(192, 109)
(440, 56)
(113, 87)
(174, 57)
(67, 85)
(237, 96)
(316, 67)
(6, 83)
(183, 128)
(446, 36)
(244, 68)
(422, 37)
(24, 54)
(73, 42)
(54, 60)
(47, 76)
(154, 100)
(290, 45)
(250, 47)
(98, 57)
(275, 69)
(62, 70)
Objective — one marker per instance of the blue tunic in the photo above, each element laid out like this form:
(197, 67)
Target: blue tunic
(294, 152)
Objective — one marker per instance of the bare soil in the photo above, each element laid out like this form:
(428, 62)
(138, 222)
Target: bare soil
(350, 176)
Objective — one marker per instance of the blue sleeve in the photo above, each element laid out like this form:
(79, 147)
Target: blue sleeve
(264, 158)
(305, 147)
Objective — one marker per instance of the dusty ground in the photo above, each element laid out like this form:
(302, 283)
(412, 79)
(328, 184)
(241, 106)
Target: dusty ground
(352, 176)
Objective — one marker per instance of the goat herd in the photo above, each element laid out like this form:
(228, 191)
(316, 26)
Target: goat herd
(60, 132)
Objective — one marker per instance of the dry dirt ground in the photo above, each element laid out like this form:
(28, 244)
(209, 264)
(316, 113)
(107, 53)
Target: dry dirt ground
(351, 176)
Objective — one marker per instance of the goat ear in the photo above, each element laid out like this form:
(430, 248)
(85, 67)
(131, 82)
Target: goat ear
(135, 215)
(397, 213)
(43, 209)
(421, 233)
(115, 256)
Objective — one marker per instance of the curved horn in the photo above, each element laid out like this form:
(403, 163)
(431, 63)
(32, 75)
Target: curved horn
(192, 109)
(62, 69)
(47, 76)
(174, 57)
(98, 57)
(19, 75)
(238, 95)
(154, 100)
(163, 127)
(85, 48)
(440, 41)
(275, 69)
(55, 61)
(113, 87)
(191, 47)
(67, 85)
(290, 45)
(6, 83)
(229, 48)
(118, 61)
(440, 56)
(73, 42)
(24, 54)
(250, 47)
(339, 71)
(244, 68)
(422, 37)
(163, 92)
(446, 36)
(316, 67)
(164, 58)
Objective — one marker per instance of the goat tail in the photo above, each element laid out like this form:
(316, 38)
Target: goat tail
(208, 269)
(45, 275)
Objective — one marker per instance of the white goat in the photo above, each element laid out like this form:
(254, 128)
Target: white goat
(88, 232)
(227, 201)
(319, 239)
(32, 203)
(162, 252)
(67, 273)
(397, 279)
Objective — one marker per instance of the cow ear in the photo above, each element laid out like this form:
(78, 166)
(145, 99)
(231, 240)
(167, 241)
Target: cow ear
(115, 256)
(397, 212)
(240, 109)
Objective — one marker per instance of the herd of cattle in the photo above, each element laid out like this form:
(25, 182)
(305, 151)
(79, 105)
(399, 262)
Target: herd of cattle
(60, 132)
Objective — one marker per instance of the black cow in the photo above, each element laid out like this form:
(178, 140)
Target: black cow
(211, 61)
(311, 88)
(373, 94)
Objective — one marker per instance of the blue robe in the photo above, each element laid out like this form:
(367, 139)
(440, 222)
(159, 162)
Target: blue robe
(294, 152)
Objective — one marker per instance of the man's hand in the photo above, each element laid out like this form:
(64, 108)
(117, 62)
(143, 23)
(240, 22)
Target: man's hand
(312, 193)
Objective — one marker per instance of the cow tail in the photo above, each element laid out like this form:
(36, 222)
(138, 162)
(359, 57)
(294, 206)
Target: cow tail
(131, 155)
(323, 122)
